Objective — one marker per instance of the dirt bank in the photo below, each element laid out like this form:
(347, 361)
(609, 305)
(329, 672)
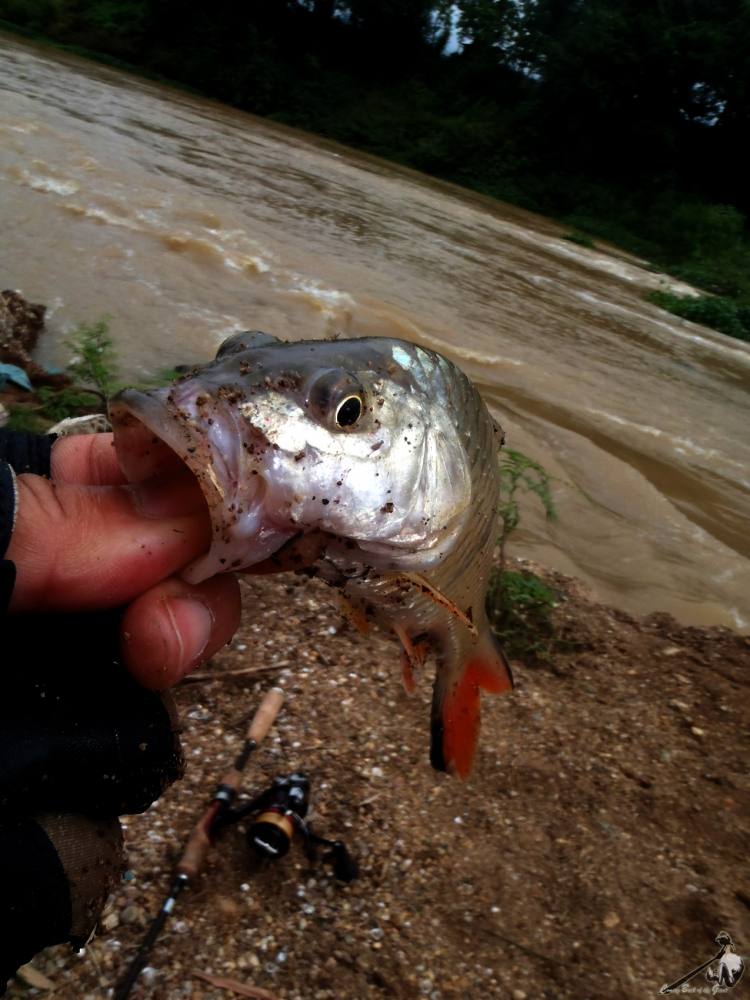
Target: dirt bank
(597, 850)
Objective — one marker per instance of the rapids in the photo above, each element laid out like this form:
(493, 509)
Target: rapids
(184, 220)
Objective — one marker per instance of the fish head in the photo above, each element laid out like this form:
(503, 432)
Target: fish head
(350, 438)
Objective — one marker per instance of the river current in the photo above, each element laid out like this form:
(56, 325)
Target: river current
(183, 221)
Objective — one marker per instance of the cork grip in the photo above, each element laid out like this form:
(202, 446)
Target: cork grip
(198, 844)
(265, 716)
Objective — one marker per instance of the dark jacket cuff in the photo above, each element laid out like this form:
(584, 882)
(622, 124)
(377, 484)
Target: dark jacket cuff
(36, 909)
(19, 452)
(27, 452)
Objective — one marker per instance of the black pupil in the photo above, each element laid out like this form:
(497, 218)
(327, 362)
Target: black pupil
(349, 412)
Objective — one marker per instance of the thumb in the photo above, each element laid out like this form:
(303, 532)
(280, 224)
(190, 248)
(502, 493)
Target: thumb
(84, 547)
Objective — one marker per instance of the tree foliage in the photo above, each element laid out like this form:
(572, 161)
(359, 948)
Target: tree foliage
(619, 112)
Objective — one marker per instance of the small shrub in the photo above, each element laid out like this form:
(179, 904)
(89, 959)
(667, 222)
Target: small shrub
(26, 418)
(94, 360)
(56, 404)
(719, 313)
(581, 240)
(520, 609)
(519, 605)
(697, 230)
(519, 472)
(93, 365)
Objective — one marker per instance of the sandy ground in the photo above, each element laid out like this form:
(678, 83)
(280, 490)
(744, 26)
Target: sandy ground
(597, 850)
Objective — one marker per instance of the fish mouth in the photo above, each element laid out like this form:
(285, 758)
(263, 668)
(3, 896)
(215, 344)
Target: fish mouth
(159, 432)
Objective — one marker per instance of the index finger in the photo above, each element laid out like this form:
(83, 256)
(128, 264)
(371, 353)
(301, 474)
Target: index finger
(86, 459)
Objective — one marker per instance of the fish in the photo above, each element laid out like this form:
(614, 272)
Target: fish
(371, 463)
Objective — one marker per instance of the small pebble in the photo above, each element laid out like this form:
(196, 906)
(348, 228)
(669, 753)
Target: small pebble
(148, 975)
(132, 914)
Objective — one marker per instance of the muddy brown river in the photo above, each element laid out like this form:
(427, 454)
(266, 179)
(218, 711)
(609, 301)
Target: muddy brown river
(183, 220)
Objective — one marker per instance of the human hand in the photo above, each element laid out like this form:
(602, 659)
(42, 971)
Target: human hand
(84, 539)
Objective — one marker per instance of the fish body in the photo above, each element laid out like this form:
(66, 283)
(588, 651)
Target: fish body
(371, 463)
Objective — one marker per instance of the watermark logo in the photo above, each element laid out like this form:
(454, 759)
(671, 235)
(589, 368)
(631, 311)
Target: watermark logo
(722, 971)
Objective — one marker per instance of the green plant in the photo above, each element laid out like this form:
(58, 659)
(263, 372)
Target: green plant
(519, 604)
(581, 240)
(26, 418)
(716, 311)
(93, 365)
(56, 404)
(518, 472)
(520, 609)
(94, 360)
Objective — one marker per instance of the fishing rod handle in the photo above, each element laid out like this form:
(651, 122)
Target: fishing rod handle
(260, 723)
(265, 717)
(198, 844)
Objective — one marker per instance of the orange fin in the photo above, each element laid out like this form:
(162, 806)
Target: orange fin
(354, 615)
(455, 708)
(407, 673)
(423, 584)
(412, 658)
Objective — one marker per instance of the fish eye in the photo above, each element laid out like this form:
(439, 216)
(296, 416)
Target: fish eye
(336, 398)
(349, 411)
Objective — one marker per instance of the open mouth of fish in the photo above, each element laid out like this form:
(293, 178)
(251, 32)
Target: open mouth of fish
(157, 433)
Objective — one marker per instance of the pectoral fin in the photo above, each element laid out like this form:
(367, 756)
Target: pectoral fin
(425, 587)
(354, 615)
(455, 705)
(413, 656)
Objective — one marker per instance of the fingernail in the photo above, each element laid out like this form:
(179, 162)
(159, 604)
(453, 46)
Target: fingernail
(192, 623)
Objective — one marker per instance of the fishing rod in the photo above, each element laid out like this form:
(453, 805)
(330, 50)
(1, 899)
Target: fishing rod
(201, 838)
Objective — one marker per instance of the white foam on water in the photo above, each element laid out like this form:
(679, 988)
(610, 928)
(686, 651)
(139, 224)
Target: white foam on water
(682, 445)
(49, 184)
(675, 328)
(237, 262)
(102, 215)
(330, 300)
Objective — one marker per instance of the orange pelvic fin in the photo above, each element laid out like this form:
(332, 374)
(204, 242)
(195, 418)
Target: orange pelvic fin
(412, 658)
(354, 615)
(455, 707)
(424, 585)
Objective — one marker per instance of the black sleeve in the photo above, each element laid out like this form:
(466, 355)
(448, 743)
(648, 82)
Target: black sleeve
(36, 899)
(7, 517)
(19, 452)
(27, 452)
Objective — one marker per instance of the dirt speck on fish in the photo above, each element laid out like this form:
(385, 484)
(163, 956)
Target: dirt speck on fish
(371, 463)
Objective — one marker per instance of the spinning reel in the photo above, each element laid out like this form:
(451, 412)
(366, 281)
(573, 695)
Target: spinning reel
(277, 815)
